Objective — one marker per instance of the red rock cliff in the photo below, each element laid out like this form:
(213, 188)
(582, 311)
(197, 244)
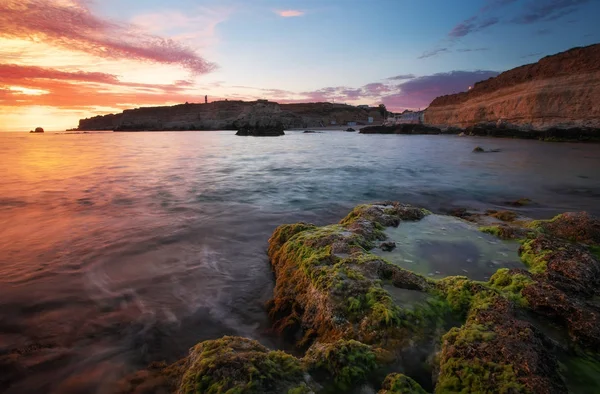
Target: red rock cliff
(561, 90)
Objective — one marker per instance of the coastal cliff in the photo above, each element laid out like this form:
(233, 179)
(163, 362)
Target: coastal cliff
(230, 115)
(559, 91)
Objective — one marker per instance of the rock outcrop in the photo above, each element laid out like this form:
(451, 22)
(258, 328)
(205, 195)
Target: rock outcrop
(230, 115)
(341, 303)
(558, 92)
(37, 130)
(405, 128)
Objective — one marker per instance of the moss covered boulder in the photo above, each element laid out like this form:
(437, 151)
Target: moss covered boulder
(339, 366)
(329, 287)
(578, 227)
(496, 352)
(239, 365)
(563, 282)
(227, 365)
(397, 383)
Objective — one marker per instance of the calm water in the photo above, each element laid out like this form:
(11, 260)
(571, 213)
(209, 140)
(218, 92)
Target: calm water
(118, 249)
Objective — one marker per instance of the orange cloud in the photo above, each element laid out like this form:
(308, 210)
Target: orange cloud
(290, 13)
(70, 24)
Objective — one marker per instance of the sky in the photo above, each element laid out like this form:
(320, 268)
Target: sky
(62, 60)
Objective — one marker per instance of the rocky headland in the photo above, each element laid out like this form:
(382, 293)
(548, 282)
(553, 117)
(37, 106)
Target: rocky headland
(556, 98)
(231, 115)
(365, 322)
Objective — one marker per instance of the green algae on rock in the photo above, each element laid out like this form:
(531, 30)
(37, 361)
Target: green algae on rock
(226, 365)
(239, 365)
(328, 285)
(564, 274)
(572, 226)
(340, 365)
(358, 314)
(397, 383)
(495, 352)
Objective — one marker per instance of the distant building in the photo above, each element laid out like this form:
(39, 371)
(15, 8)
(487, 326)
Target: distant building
(406, 117)
(333, 122)
(370, 119)
(351, 123)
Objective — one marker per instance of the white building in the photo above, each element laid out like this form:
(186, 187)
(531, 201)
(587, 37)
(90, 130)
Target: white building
(406, 117)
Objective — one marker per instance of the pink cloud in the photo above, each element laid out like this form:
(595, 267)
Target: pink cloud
(289, 13)
(71, 25)
(12, 73)
(419, 92)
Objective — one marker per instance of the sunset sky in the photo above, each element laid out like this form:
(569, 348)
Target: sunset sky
(61, 60)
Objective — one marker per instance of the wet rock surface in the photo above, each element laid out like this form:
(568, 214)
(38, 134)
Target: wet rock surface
(357, 316)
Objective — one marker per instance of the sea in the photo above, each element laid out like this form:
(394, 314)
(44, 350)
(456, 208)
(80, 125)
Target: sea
(121, 249)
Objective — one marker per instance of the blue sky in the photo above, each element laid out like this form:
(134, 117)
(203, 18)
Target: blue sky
(287, 51)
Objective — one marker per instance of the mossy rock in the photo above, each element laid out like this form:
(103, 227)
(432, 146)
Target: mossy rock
(578, 227)
(512, 282)
(504, 232)
(459, 291)
(505, 216)
(340, 365)
(571, 267)
(397, 383)
(328, 286)
(240, 365)
(496, 352)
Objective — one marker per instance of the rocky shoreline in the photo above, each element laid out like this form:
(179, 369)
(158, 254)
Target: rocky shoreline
(351, 312)
(491, 129)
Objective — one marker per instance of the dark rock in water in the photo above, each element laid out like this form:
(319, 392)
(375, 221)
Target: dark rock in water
(37, 130)
(407, 128)
(554, 134)
(479, 149)
(387, 246)
(312, 132)
(520, 202)
(261, 131)
(350, 129)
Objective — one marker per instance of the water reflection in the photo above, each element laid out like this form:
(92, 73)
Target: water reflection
(118, 249)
